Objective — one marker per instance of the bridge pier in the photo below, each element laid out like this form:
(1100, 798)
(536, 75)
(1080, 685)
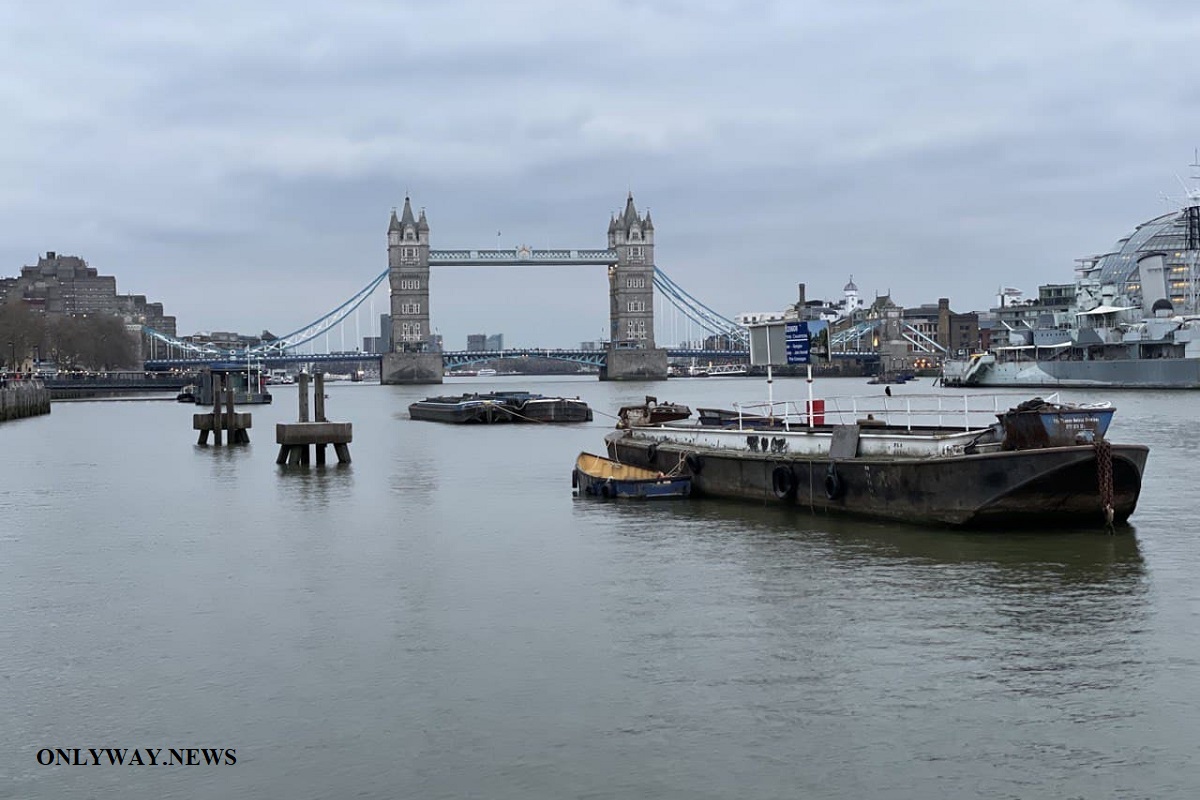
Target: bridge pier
(411, 368)
(635, 365)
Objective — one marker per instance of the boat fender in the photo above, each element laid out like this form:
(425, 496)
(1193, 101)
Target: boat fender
(833, 483)
(652, 452)
(783, 482)
(574, 480)
(605, 490)
(695, 462)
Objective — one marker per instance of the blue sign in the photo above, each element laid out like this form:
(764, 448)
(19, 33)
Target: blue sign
(796, 341)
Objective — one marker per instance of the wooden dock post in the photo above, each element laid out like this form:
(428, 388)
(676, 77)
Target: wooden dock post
(218, 384)
(236, 424)
(294, 438)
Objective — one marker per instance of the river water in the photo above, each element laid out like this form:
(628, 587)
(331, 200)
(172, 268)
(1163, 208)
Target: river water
(442, 619)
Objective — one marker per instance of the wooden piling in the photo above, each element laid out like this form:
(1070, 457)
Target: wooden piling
(294, 438)
(228, 425)
(319, 399)
(304, 397)
(25, 398)
(217, 385)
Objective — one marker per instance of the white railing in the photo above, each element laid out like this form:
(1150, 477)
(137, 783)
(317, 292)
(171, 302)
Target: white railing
(969, 411)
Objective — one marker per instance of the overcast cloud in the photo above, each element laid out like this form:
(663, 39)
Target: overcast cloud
(933, 149)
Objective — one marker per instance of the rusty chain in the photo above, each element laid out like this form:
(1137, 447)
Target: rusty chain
(1104, 472)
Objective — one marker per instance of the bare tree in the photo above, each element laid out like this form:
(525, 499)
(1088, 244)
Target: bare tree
(92, 342)
(22, 334)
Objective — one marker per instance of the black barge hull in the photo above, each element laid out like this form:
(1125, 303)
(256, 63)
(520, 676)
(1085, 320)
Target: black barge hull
(497, 408)
(1055, 487)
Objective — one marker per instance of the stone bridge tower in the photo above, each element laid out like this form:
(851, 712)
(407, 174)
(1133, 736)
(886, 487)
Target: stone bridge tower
(632, 354)
(413, 358)
(631, 279)
(408, 274)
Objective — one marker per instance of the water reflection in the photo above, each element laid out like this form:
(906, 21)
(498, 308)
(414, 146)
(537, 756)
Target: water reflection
(314, 488)
(1055, 558)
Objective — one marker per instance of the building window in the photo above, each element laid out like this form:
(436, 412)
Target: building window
(409, 254)
(637, 305)
(636, 329)
(635, 283)
(410, 284)
(410, 308)
(635, 253)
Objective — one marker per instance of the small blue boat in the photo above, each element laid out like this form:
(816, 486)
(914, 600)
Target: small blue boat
(603, 477)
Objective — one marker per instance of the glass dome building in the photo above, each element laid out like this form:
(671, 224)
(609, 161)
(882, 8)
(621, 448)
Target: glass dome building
(1159, 261)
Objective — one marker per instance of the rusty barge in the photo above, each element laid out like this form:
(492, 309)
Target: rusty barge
(935, 460)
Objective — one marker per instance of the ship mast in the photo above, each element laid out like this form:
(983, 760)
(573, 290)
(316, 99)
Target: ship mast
(1191, 221)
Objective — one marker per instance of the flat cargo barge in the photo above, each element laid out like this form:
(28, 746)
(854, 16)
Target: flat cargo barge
(500, 407)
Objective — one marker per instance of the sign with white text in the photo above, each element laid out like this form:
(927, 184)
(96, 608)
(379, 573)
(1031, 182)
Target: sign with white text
(796, 342)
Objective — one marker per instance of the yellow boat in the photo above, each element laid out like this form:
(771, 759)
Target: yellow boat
(603, 477)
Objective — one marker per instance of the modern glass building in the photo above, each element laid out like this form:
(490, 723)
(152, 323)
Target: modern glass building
(1159, 261)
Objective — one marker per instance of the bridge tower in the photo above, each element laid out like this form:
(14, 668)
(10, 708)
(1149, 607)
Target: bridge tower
(632, 354)
(413, 356)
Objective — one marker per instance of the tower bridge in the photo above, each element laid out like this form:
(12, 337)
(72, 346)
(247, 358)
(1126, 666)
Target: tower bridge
(413, 353)
(629, 258)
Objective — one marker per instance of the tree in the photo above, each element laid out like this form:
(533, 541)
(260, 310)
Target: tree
(97, 342)
(22, 333)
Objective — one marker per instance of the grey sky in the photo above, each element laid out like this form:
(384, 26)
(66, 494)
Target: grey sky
(930, 148)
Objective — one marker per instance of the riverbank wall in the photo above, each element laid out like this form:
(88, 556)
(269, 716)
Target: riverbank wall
(23, 399)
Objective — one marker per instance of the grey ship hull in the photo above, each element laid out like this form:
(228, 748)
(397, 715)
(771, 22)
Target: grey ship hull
(1150, 373)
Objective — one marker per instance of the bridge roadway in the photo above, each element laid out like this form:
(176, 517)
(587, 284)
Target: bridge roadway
(456, 358)
(450, 358)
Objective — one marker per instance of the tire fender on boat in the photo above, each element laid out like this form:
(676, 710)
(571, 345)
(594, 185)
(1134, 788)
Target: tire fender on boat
(605, 490)
(695, 462)
(783, 481)
(652, 452)
(833, 483)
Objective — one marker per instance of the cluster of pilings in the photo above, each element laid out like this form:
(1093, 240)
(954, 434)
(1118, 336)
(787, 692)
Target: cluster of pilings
(236, 425)
(294, 438)
(24, 398)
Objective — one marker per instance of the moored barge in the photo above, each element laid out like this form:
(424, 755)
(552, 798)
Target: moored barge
(499, 407)
(1041, 464)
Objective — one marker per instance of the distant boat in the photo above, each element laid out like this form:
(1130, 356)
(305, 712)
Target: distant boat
(651, 412)
(715, 371)
(496, 407)
(725, 418)
(486, 373)
(249, 385)
(602, 477)
(900, 377)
